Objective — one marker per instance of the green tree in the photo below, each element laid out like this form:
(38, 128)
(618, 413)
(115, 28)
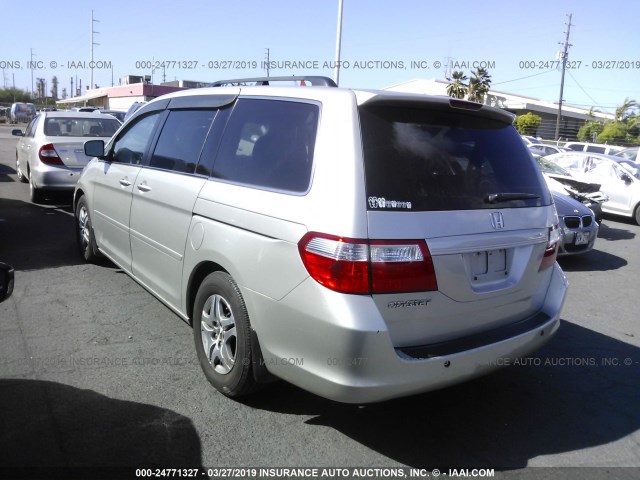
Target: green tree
(528, 123)
(585, 134)
(11, 95)
(613, 132)
(458, 88)
(479, 85)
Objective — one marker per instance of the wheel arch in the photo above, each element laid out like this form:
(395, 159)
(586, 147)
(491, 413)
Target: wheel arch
(260, 371)
(198, 274)
(76, 197)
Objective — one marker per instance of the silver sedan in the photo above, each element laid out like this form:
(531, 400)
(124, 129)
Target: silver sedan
(50, 153)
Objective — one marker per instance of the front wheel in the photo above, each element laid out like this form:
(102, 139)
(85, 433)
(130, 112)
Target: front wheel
(222, 335)
(637, 214)
(84, 233)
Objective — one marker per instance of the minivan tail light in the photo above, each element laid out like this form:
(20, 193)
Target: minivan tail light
(404, 266)
(340, 264)
(48, 155)
(551, 251)
(368, 267)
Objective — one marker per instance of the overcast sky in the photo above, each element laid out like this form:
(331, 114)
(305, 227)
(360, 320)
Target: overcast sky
(383, 42)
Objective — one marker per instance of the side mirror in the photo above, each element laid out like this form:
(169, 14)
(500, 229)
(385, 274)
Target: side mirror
(625, 178)
(6, 281)
(94, 148)
(16, 132)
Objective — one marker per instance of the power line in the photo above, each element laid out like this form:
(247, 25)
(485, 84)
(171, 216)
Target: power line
(523, 78)
(585, 92)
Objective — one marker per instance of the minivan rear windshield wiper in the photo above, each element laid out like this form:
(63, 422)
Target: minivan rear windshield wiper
(505, 197)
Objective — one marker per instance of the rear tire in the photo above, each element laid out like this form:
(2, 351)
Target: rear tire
(637, 214)
(222, 335)
(84, 233)
(35, 194)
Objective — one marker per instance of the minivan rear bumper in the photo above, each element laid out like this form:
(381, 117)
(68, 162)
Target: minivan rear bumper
(343, 358)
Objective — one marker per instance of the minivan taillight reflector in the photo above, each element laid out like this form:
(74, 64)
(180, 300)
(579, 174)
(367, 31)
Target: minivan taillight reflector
(404, 266)
(48, 155)
(368, 267)
(551, 251)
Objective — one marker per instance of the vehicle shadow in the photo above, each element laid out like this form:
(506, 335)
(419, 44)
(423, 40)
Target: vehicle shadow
(574, 394)
(607, 232)
(593, 261)
(48, 424)
(37, 236)
(5, 171)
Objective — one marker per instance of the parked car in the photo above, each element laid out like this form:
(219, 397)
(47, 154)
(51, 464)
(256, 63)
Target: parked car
(578, 226)
(616, 181)
(115, 113)
(362, 245)
(546, 149)
(49, 153)
(629, 154)
(22, 112)
(561, 181)
(4, 114)
(133, 108)
(593, 147)
(529, 140)
(632, 167)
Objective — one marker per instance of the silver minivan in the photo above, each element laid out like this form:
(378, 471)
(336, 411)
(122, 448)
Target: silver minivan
(362, 245)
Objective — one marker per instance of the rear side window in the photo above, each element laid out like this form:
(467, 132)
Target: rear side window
(181, 140)
(269, 144)
(595, 149)
(418, 159)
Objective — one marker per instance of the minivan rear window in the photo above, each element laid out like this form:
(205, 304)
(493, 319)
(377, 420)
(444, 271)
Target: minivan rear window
(420, 159)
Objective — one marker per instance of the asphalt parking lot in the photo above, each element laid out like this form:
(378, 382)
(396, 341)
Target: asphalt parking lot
(95, 372)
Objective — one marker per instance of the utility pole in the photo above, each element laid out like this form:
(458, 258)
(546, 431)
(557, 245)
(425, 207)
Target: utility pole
(564, 66)
(268, 60)
(91, 84)
(336, 69)
(31, 65)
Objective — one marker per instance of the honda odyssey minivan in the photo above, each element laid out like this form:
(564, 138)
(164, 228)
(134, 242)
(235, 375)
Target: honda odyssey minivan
(362, 245)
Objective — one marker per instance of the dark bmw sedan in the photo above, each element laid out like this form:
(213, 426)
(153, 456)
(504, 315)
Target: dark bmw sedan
(578, 225)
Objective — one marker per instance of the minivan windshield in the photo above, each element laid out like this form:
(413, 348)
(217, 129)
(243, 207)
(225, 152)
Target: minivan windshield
(420, 159)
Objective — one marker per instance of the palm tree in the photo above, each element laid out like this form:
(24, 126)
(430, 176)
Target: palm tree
(457, 89)
(479, 85)
(621, 111)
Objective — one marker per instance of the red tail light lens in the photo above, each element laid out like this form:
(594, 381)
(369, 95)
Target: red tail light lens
(366, 267)
(48, 155)
(551, 252)
(404, 266)
(341, 264)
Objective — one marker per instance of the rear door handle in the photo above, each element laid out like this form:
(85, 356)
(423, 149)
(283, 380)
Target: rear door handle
(124, 182)
(143, 187)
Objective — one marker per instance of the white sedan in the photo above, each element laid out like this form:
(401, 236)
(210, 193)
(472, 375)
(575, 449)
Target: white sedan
(620, 183)
(50, 152)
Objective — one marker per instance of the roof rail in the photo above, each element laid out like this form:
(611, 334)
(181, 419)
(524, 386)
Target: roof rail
(313, 80)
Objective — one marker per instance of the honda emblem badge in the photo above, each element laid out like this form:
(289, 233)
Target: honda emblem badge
(497, 220)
